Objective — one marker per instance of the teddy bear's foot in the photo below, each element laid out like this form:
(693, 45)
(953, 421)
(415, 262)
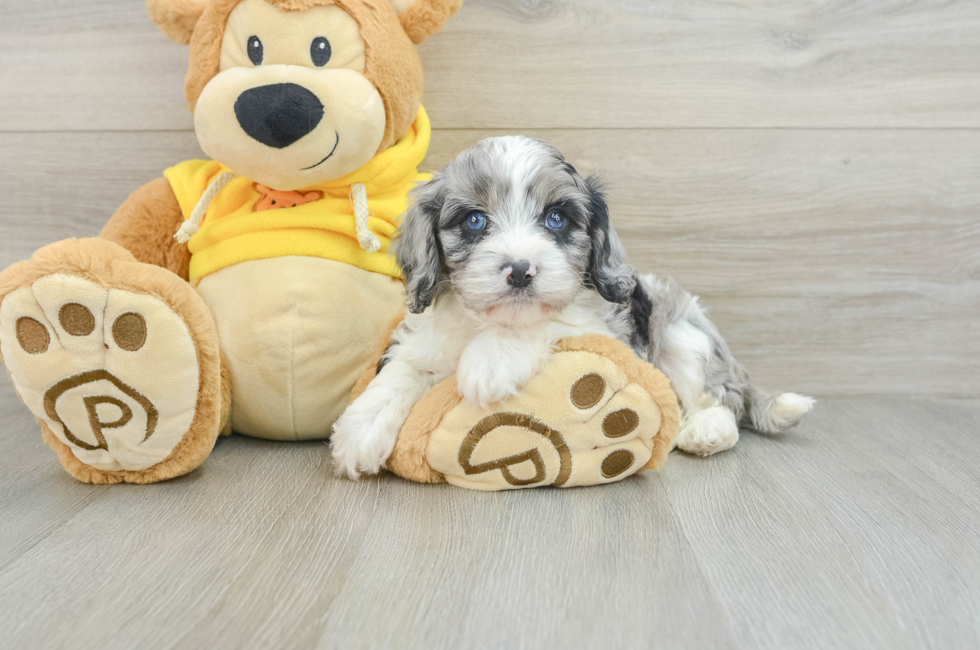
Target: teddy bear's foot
(118, 360)
(596, 414)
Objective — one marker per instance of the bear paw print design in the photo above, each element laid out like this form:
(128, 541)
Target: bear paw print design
(113, 374)
(587, 428)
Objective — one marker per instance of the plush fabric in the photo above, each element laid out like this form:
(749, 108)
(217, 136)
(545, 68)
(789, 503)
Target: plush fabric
(297, 340)
(424, 18)
(80, 270)
(392, 63)
(145, 225)
(60, 317)
(275, 117)
(176, 18)
(588, 394)
(596, 414)
(233, 231)
(136, 352)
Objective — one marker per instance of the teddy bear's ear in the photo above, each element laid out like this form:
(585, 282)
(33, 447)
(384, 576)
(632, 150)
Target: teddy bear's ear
(423, 18)
(176, 18)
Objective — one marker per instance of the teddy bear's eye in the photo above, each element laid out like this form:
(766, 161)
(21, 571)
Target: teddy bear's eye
(320, 51)
(256, 52)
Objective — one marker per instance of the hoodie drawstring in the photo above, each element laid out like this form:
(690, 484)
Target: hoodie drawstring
(358, 200)
(190, 227)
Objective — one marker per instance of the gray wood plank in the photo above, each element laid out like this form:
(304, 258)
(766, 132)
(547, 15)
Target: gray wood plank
(833, 538)
(101, 65)
(262, 547)
(32, 485)
(173, 558)
(827, 537)
(69, 184)
(835, 262)
(589, 569)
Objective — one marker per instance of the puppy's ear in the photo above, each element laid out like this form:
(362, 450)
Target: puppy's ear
(608, 272)
(416, 244)
(422, 18)
(176, 18)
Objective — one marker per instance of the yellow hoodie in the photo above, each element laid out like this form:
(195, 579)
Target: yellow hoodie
(247, 221)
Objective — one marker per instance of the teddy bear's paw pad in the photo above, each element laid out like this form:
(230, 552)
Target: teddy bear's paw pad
(579, 422)
(113, 374)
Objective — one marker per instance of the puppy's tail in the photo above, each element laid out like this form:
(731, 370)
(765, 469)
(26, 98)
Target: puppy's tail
(774, 413)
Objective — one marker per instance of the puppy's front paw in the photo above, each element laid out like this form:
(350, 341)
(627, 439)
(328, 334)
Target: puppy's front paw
(482, 389)
(361, 443)
(482, 381)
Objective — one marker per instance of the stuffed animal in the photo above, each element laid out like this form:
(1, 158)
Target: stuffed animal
(250, 292)
(596, 414)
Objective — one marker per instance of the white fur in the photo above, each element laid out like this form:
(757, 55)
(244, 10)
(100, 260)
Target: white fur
(685, 351)
(706, 427)
(790, 407)
(495, 336)
(365, 434)
(492, 356)
(706, 431)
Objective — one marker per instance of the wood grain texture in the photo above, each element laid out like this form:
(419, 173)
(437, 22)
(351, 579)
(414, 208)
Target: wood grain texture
(517, 64)
(809, 168)
(869, 508)
(835, 262)
(859, 529)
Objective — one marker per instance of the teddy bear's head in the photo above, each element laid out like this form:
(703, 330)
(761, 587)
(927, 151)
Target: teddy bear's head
(292, 93)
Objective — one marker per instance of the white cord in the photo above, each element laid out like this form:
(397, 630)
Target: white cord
(190, 227)
(358, 200)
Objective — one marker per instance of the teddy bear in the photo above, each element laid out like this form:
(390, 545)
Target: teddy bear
(253, 292)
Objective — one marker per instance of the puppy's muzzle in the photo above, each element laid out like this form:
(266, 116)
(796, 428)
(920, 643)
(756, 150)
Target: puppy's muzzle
(520, 274)
(279, 114)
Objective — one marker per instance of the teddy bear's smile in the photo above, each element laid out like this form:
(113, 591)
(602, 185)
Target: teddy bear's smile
(290, 84)
(329, 155)
(278, 115)
(154, 335)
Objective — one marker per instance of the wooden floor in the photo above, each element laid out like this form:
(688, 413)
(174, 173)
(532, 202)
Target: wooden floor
(811, 168)
(859, 530)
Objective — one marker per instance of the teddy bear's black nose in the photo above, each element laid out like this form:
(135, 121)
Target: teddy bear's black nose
(279, 114)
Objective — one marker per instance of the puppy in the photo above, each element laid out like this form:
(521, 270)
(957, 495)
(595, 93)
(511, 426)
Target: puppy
(507, 250)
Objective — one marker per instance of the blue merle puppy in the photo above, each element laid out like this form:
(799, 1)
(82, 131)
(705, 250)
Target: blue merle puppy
(508, 250)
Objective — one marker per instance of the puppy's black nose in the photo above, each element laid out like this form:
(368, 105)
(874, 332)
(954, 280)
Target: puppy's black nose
(279, 114)
(520, 274)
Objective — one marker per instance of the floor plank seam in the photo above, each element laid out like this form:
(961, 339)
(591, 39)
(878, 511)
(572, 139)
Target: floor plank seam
(709, 586)
(13, 560)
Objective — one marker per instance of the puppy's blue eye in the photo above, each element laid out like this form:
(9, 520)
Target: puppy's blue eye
(476, 221)
(555, 221)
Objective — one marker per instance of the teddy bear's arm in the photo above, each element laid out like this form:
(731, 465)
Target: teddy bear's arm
(145, 225)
